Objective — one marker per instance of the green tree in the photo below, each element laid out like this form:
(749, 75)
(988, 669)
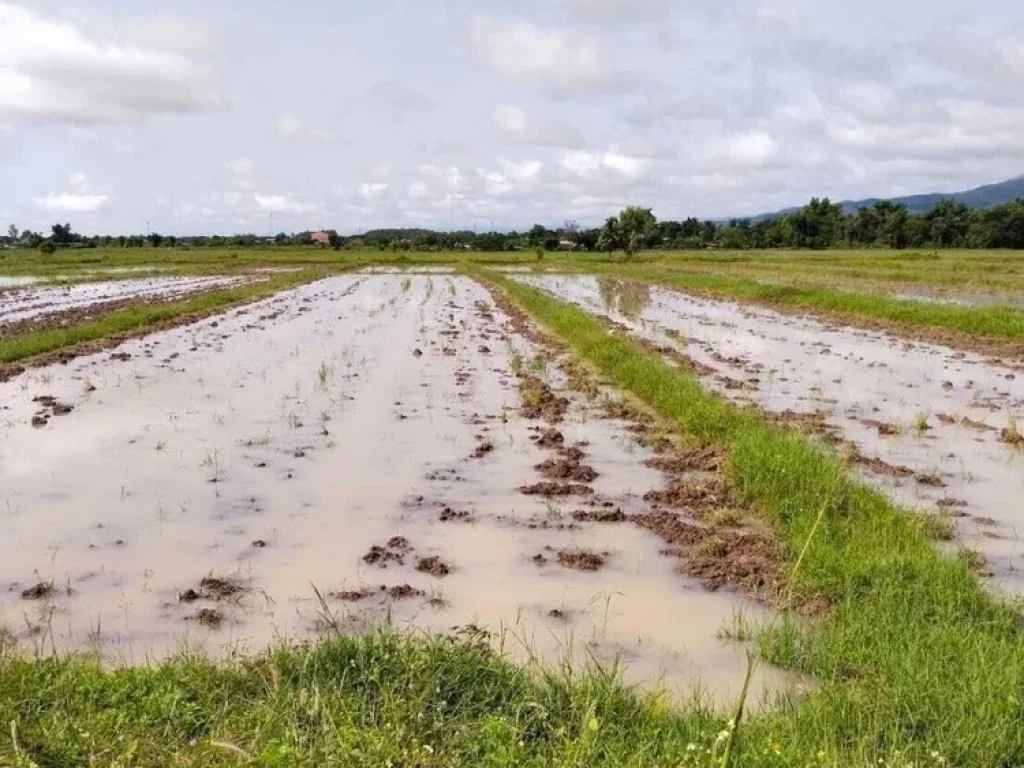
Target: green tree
(609, 239)
(635, 226)
(537, 235)
(63, 234)
(47, 247)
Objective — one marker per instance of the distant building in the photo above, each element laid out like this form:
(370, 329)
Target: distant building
(320, 238)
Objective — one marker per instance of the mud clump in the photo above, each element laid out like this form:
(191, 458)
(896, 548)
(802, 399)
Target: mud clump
(404, 592)
(884, 428)
(539, 401)
(209, 617)
(599, 516)
(353, 595)
(212, 588)
(550, 438)
(399, 543)
(49, 406)
(567, 468)
(433, 565)
(220, 589)
(449, 515)
(697, 460)
(483, 448)
(582, 559)
(699, 496)
(671, 528)
(881, 467)
(550, 488)
(40, 591)
(716, 558)
(381, 556)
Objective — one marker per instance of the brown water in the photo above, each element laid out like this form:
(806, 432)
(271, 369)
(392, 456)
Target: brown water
(858, 379)
(277, 444)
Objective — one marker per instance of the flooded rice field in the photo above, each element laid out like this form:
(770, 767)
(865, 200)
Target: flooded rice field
(17, 281)
(363, 449)
(21, 304)
(934, 427)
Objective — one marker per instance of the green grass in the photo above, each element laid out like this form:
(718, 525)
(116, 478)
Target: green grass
(970, 324)
(371, 701)
(137, 319)
(913, 655)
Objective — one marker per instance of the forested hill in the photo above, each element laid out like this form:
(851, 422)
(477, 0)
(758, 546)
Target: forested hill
(985, 196)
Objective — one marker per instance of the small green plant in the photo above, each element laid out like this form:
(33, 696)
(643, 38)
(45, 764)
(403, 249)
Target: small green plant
(921, 424)
(324, 374)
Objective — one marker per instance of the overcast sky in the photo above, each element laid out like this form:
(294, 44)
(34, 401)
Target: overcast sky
(230, 116)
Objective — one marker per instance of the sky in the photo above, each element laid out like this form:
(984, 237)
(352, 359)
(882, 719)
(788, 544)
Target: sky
(262, 116)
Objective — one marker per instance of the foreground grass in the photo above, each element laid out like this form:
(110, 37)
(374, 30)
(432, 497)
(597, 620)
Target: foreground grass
(373, 701)
(140, 318)
(969, 325)
(913, 656)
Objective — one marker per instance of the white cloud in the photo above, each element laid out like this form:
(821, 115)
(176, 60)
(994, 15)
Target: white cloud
(71, 203)
(373, 190)
(399, 97)
(522, 171)
(585, 163)
(288, 125)
(753, 148)
(418, 189)
(241, 167)
(49, 70)
(523, 51)
(283, 204)
(618, 11)
(509, 119)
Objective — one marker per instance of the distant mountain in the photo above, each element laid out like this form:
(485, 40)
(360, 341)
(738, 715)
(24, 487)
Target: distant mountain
(986, 196)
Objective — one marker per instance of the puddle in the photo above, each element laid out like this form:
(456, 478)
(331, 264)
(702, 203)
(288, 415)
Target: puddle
(277, 445)
(29, 303)
(17, 281)
(866, 383)
(962, 300)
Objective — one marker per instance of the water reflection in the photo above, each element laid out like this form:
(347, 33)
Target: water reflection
(626, 297)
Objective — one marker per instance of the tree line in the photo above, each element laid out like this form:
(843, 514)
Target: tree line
(821, 224)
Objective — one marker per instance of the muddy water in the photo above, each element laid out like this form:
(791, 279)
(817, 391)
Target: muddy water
(27, 303)
(277, 444)
(16, 281)
(963, 300)
(859, 380)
